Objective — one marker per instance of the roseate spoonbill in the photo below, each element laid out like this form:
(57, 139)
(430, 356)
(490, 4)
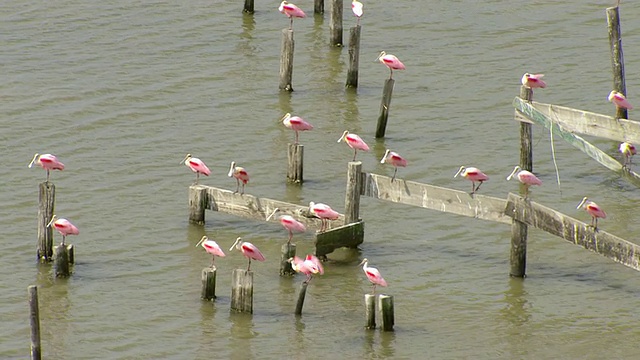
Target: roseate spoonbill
(240, 174)
(373, 275)
(395, 160)
(196, 165)
(211, 247)
(533, 81)
(356, 7)
(472, 174)
(619, 100)
(309, 266)
(324, 212)
(291, 11)
(249, 251)
(64, 227)
(355, 142)
(627, 150)
(289, 223)
(525, 177)
(296, 124)
(391, 61)
(47, 162)
(594, 210)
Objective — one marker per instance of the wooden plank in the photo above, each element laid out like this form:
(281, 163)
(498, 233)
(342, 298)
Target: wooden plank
(574, 231)
(435, 198)
(350, 235)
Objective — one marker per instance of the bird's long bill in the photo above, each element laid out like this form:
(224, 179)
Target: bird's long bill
(287, 115)
(584, 200)
(185, 158)
(233, 164)
(382, 53)
(459, 171)
(384, 158)
(343, 135)
(33, 160)
(273, 213)
(202, 240)
(53, 218)
(513, 172)
(363, 262)
(235, 243)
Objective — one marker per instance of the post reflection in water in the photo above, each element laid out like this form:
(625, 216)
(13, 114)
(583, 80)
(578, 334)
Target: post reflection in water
(516, 314)
(241, 334)
(379, 344)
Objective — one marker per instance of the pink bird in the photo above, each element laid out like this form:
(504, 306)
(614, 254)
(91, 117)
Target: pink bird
(525, 177)
(533, 81)
(355, 142)
(356, 7)
(48, 162)
(627, 150)
(249, 251)
(472, 174)
(373, 275)
(64, 227)
(292, 11)
(594, 210)
(324, 212)
(289, 223)
(197, 166)
(391, 61)
(309, 266)
(395, 160)
(240, 174)
(296, 124)
(211, 247)
(619, 100)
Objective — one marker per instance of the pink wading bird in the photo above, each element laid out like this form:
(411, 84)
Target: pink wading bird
(289, 223)
(472, 174)
(356, 7)
(296, 124)
(619, 100)
(197, 166)
(391, 61)
(373, 275)
(395, 160)
(291, 11)
(627, 150)
(533, 81)
(47, 162)
(309, 266)
(525, 177)
(355, 142)
(211, 247)
(64, 227)
(240, 174)
(249, 251)
(594, 210)
(324, 212)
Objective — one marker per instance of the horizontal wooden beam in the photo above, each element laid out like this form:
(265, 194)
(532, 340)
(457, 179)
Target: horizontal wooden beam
(435, 198)
(350, 236)
(574, 231)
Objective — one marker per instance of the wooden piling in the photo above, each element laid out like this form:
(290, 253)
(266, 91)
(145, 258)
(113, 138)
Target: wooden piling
(197, 204)
(287, 251)
(370, 311)
(286, 60)
(61, 261)
(295, 156)
(354, 56)
(335, 23)
(385, 305)
(617, 58)
(354, 189)
(72, 254)
(34, 321)
(526, 134)
(384, 108)
(301, 295)
(349, 236)
(318, 7)
(248, 6)
(46, 204)
(242, 291)
(208, 283)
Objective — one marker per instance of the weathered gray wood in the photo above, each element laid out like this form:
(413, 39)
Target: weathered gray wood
(574, 231)
(208, 278)
(197, 203)
(617, 58)
(302, 292)
(518, 254)
(72, 254)
(248, 6)
(335, 23)
(385, 305)
(61, 261)
(34, 321)
(370, 311)
(318, 7)
(387, 92)
(287, 251)
(355, 181)
(435, 198)
(295, 157)
(350, 236)
(286, 60)
(526, 134)
(242, 291)
(354, 56)
(46, 207)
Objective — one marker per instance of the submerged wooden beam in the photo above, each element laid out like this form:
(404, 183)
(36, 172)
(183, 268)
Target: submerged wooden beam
(574, 231)
(350, 236)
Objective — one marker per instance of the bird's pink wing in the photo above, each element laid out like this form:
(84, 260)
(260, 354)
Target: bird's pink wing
(252, 251)
(292, 224)
(198, 165)
(622, 102)
(213, 248)
(596, 211)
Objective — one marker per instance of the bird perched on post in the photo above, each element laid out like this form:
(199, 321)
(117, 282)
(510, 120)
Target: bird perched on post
(472, 174)
(240, 174)
(594, 210)
(525, 177)
(373, 275)
(627, 150)
(64, 227)
(249, 251)
(355, 142)
(356, 7)
(197, 166)
(47, 162)
(291, 10)
(296, 124)
(395, 160)
(309, 266)
(211, 247)
(533, 81)
(391, 61)
(289, 223)
(619, 100)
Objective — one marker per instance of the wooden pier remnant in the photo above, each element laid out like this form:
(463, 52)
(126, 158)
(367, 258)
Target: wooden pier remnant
(46, 205)
(208, 283)
(387, 92)
(318, 7)
(370, 311)
(349, 236)
(295, 156)
(617, 58)
(385, 306)
(335, 23)
(242, 291)
(248, 6)
(302, 292)
(354, 56)
(354, 189)
(63, 254)
(286, 60)
(287, 251)
(34, 321)
(197, 204)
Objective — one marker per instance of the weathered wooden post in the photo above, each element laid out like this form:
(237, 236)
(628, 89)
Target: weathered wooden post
(208, 283)
(34, 321)
(248, 6)
(617, 59)
(385, 305)
(370, 311)
(242, 291)
(354, 56)
(384, 107)
(287, 251)
(335, 23)
(354, 189)
(61, 263)
(46, 204)
(295, 156)
(301, 295)
(197, 203)
(318, 7)
(72, 254)
(286, 60)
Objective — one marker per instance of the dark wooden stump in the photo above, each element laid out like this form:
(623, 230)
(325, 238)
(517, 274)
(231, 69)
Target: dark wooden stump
(46, 205)
(61, 263)
(370, 311)
(617, 58)
(286, 60)
(34, 321)
(387, 92)
(335, 23)
(208, 283)
(295, 156)
(197, 204)
(242, 291)
(248, 6)
(354, 57)
(301, 295)
(385, 304)
(287, 251)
